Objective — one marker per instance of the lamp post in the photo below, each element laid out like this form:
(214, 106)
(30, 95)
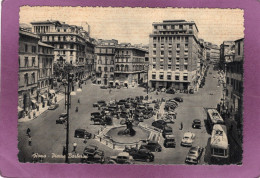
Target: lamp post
(147, 81)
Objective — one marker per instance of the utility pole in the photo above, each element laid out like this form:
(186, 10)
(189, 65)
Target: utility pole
(70, 79)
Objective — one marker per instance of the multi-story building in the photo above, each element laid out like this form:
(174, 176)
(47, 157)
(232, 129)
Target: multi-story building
(35, 70)
(214, 54)
(28, 69)
(45, 72)
(105, 61)
(72, 44)
(234, 83)
(129, 65)
(174, 55)
(226, 53)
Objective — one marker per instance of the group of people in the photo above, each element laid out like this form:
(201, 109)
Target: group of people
(28, 132)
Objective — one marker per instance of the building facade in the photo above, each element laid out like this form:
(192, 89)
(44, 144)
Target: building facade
(105, 61)
(174, 55)
(227, 51)
(72, 45)
(28, 69)
(234, 83)
(129, 65)
(35, 70)
(45, 71)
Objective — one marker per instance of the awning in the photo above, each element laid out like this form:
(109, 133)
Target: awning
(43, 96)
(111, 81)
(52, 91)
(34, 101)
(117, 81)
(185, 74)
(20, 109)
(125, 81)
(177, 74)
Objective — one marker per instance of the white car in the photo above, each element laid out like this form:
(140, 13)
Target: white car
(187, 139)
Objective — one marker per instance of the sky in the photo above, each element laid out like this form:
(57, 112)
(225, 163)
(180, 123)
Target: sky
(133, 25)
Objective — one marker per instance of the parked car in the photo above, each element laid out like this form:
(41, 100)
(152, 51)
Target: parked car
(61, 120)
(167, 131)
(196, 124)
(187, 139)
(170, 91)
(140, 154)
(100, 103)
(121, 158)
(94, 115)
(179, 99)
(160, 124)
(103, 87)
(194, 155)
(152, 146)
(53, 106)
(169, 141)
(94, 155)
(81, 133)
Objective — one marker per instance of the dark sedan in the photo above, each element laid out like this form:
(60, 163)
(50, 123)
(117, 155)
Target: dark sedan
(160, 124)
(152, 146)
(81, 133)
(140, 154)
(179, 99)
(196, 124)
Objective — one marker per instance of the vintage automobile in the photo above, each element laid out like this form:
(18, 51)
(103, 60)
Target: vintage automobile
(169, 141)
(105, 120)
(140, 154)
(100, 103)
(160, 124)
(194, 155)
(196, 124)
(167, 131)
(153, 146)
(169, 119)
(93, 155)
(94, 115)
(187, 139)
(62, 118)
(170, 91)
(53, 106)
(82, 133)
(103, 87)
(179, 99)
(121, 158)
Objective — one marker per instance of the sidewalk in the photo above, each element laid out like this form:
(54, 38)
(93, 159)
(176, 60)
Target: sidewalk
(60, 96)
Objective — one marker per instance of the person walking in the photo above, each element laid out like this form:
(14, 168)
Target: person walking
(181, 126)
(55, 99)
(78, 100)
(28, 131)
(74, 147)
(85, 139)
(30, 141)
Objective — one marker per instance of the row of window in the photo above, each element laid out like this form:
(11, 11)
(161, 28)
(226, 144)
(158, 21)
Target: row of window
(46, 62)
(178, 45)
(170, 77)
(185, 60)
(28, 48)
(171, 39)
(172, 27)
(28, 80)
(162, 53)
(170, 67)
(173, 32)
(105, 50)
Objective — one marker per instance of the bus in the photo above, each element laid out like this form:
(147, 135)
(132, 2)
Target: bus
(219, 143)
(213, 117)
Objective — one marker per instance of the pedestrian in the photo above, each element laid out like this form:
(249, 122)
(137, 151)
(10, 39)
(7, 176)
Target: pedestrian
(34, 114)
(78, 100)
(74, 147)
(110, 90)
(85, 139)
(181, 126)
(28, 131)
(30, 141)
(64, 151)
(77, 109)
(55, 99)
(38, 108)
